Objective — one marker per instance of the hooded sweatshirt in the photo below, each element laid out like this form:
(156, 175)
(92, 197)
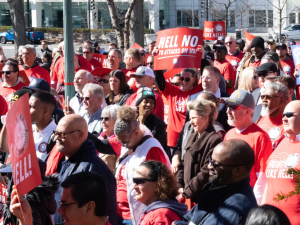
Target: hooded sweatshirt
(160, 212)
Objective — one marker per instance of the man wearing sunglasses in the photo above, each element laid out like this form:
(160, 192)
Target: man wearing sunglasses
(240, 112)
(228, 195)
(285, 156)
(88, 52)
(226, 69)
(274, 99)
(286, 62)
(80, 156)
(143, 56)
(233, 56)
(150, 62)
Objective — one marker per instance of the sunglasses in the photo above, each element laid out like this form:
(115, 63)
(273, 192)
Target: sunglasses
(228, 43)
(176, 84)
(151, 63)
(287, 115)
(268, 97)
(86, 98)
(61, 134)
(235, 107)
(214, 165)
(255, 77)
(104, 81)
(141, 180)
(7, 72)
(59, 51)
(106, 119)
(187, 79)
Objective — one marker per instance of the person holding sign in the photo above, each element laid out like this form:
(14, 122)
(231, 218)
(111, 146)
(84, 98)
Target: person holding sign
(226, 69)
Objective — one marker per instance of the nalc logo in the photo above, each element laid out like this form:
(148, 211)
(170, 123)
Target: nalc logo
(218, 28)
(20, 135)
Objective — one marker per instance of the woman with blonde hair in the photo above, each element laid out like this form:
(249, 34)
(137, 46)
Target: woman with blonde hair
(249, 80)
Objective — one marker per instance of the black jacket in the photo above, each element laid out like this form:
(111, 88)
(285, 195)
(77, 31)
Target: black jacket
(87, 160)
(158, 129)
(123, 100)
(46, 66)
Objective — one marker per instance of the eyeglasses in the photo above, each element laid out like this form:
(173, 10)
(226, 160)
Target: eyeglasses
(176, 84)
(140, 180)
(7, 72)
(104, 81)
(288, 115)
(187, 79)
(150, 63)
(235, 107)
(106, 119)
(215, 166)
(228, 43)
(64, 205)
(62, 134)
(268, 97)
(85, 52)
(255, 77)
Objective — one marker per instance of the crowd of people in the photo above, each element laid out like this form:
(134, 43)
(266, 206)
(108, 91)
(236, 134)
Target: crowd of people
(213, 146)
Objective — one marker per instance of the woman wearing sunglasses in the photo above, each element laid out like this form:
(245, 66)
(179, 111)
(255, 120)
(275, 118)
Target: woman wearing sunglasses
(137, 147)
(119, 89)
(156, 188)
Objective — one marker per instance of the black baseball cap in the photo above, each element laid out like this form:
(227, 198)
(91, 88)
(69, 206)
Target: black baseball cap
(280, 44)
(38, 84)
(267, 67)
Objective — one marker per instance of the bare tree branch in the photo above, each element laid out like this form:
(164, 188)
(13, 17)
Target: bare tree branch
(127, 25)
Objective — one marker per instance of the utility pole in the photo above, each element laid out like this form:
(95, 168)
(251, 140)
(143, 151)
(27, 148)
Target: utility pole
(89, 19)
(206, 5)
(69, 49)
(28, 21)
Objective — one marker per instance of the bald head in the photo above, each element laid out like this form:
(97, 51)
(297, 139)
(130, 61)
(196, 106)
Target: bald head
(291, 122)
(73, 131)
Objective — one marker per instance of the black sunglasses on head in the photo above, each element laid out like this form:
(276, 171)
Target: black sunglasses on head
(140, 180)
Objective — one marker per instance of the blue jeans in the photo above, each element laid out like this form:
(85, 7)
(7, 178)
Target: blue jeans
(121, 221)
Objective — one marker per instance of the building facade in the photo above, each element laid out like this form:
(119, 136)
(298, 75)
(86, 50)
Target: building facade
(256, 15)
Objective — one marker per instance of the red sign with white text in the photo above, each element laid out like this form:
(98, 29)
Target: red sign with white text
(135, 45)
(213, 30)
(178, 48)
(102, 59)
(25, 167)
(248, 37)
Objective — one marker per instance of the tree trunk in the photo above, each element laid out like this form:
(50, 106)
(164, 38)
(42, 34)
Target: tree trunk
(127, 23)
(115, 24)
(226, 19)
(280, 21)
(136, 24)
(16, 9)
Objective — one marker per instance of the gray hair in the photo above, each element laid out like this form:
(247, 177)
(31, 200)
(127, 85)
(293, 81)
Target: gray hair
(95, 89)
(204, 108)
(31, 47)
(126, 122)
(88, 47)
(268, 56)
(112, 111)
(231, 37)
(20, 49)
(87, 74)
(118, 51)
(279, 88)
(150, 56)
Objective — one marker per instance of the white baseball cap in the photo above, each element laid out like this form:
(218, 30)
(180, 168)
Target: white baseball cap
(144, 70)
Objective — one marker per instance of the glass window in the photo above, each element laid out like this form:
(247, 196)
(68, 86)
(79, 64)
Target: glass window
(162, 20)
(196, 18)
(104, 20)
(219, 15)
(232, 18)
(270, 18)
(260, 18)
(165, 14)
(292, 17)
(5, 19)
(251, 18)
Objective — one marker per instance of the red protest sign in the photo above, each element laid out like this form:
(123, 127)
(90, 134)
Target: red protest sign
(98, 73)
(135, 45)
(213, 30)
(25, 166)
(248, 37)
(178, 48)
(170, 73)
(102, 59)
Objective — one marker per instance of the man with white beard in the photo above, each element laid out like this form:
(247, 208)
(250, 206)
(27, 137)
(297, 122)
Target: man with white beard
(274, 99)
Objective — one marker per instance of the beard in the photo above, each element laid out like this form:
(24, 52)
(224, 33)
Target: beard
(218, 181)
(265, 111)
(231, 122)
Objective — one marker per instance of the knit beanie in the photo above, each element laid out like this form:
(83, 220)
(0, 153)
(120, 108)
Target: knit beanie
(142, 93)
(258, 41)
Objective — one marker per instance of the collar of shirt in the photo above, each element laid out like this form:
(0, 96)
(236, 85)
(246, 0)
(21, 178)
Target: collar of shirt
(297, 138)
(15, 84)
(94, 116)
(218, 93)
(33, 65)
(50, 128)
(240, 131)
(78, 97)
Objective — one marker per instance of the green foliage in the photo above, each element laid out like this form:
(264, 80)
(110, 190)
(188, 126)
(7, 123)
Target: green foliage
(296, 178)
(5, 28)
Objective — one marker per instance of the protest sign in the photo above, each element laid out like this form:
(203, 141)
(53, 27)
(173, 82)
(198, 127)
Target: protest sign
(170, 73)
(25, 166)
(98, 73)
(178, 48)
(135, 45)
(248, 37)
(102, 59)
(213, 30)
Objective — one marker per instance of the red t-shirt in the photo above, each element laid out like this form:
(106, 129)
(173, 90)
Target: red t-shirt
(261, 144)
(285, 156)
(177, 101)
(3, 106)
(227, 71)
(235, 59)
(161, 216)
(166, 109)
(38, 72)
(288, 67)
(95, 63)
(6, 92)
(254, 64)
(154, 153)
(159, 108)
(274, 128)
